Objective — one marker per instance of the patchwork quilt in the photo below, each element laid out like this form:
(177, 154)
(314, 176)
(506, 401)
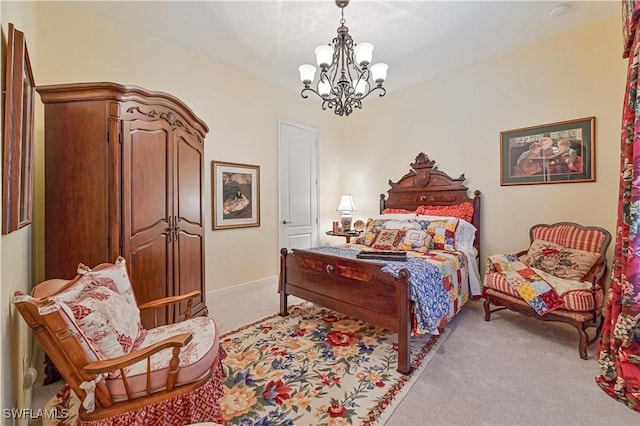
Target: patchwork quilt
(438, 283)
(527, 282)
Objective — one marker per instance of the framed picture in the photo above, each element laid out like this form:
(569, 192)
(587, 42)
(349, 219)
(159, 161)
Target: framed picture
(17, 140)
(560, 152)
(236, 195)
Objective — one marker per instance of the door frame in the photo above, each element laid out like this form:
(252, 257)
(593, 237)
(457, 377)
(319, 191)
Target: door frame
(282, 243)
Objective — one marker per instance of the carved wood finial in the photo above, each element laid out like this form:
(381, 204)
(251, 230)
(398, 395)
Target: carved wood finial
(422, 158)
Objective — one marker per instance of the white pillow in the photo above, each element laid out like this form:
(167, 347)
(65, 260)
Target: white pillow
(396, 224)
(465, 236)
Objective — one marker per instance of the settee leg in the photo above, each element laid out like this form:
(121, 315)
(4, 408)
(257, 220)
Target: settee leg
(487, 308)
(584, 338)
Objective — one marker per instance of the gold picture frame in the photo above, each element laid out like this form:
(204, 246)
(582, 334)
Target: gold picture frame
(235, 195)
(17, 142)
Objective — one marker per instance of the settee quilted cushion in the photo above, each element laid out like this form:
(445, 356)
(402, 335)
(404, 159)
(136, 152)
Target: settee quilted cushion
(196, 358)
(573, 300)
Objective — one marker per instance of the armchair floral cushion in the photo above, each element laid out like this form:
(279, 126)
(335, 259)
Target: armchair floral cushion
(103, 308)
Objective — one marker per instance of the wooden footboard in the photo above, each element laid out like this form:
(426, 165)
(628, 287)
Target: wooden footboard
(353, 287)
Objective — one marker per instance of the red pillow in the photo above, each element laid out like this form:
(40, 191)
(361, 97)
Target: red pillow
(390, 211)
(461, 211)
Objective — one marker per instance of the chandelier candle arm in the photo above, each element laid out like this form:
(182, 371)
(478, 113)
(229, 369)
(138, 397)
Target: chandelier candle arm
(345, 76)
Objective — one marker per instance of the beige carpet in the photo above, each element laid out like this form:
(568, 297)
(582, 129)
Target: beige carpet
(509, 371)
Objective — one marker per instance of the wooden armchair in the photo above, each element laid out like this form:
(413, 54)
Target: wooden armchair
(566, 259)
(91, 330)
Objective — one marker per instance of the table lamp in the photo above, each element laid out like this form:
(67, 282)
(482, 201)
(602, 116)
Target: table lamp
(346, 206)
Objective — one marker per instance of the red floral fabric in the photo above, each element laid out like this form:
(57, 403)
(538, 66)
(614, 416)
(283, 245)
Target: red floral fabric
(389, 211)
(619, 345)
(200, 405)
(461, 211)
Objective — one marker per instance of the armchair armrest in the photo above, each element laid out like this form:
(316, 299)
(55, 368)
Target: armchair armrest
(119, 363)
(171, 300)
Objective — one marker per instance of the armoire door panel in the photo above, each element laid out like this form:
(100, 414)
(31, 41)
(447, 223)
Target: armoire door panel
(149, 175)
(150, 267)
(189, 179)
(190, 269)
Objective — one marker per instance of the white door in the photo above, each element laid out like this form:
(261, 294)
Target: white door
(298, 180)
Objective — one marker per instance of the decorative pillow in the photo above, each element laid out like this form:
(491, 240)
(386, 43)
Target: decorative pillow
(368, 236)
(461, 211)
(415, 240)
(116, 273)
(388, 239)
(104, 317)
(560, 261)
(442, 232)
(103, 306)
(374, 226)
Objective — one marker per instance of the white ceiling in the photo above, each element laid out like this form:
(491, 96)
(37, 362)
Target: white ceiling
(418, 39)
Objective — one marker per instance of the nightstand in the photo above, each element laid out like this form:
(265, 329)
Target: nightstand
(346, 235)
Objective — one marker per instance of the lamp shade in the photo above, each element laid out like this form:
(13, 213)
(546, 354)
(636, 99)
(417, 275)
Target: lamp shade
(379, 72)
(307, 73)
(324, 55)
(364, 53)
(346, 204)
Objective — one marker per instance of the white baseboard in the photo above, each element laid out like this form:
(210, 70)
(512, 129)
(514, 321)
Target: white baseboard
(238, 290)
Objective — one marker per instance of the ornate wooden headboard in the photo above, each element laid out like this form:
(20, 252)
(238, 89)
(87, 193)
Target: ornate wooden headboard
(426, 185)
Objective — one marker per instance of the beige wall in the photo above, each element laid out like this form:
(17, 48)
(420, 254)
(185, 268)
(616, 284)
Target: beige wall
(456, 119)
(15, 249)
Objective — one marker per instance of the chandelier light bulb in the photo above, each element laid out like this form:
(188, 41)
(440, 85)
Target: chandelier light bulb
(364, 53)
(307, 73)
(379, 72)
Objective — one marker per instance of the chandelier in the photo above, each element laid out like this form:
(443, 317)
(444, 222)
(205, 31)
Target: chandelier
(345, 76)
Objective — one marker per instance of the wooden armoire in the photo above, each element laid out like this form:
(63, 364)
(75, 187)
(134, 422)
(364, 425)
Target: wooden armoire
(124, 177)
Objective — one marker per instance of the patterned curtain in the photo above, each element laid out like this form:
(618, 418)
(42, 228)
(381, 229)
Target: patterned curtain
(619, 345)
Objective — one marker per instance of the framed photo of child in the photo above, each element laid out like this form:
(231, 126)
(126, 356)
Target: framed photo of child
(562, 152)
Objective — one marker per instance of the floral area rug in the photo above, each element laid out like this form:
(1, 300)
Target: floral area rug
(315, 367)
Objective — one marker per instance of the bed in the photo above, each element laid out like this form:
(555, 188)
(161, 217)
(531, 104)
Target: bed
(392, 294)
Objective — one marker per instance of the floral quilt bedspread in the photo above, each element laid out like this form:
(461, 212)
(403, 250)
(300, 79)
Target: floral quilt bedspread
(437, 283)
